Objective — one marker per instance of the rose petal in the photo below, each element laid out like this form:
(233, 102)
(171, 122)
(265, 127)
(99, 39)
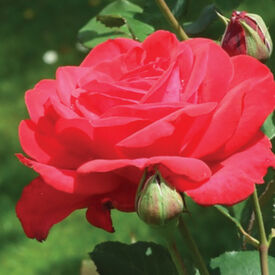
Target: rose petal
(45, 147)
(114, 89)
(195, 77)
(134, 58)
(67, 81)
(70, 182)
(108, 50)
(41, 206)
(76, 135)
(99, 216)
(104, 165)
(37, 98)
(233, 179)
(109, 131)
(167, 46)
(29, 144)
(258, 102)
(123, 198)
(214, 79)
(247, 67)
(99, 103)
(153, 111)
(60, 179)
(194, 169)
(170, 85)
(222, 125)
(155, 139)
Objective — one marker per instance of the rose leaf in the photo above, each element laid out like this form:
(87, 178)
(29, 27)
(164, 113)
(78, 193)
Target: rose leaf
(141, 258)
(240, 262)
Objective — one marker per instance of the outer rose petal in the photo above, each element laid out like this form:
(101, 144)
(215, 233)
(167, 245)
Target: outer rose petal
(37, 98)
(247, 67)
(194, 169)
(108, 50)
(228, 113)
(69, 181)
(99, 216)
(123, 199)
(52, 146)
(233, 179)
(41, 206)
(258, 102)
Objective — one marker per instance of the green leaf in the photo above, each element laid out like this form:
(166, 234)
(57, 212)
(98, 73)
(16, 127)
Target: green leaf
(178, 7)
(154, 17)
(118, 19)
(269, 126)
(226, 213)
(206, 17)
(240, 263)
(239, 209)
(227, 5)
(141, 258)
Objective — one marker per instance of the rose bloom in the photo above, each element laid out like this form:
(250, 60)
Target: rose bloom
(185, 108)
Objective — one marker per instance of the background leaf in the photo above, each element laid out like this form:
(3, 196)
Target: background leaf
(178, 8)
(240, 263)
(227, 5)
(116, 20)
(206, 17)
(269, 126)
(140, 258)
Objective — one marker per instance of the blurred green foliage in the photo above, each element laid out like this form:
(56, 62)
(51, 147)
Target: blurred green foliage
(28, 29)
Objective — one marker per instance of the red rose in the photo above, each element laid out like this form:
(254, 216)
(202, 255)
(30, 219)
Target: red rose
(185, 107)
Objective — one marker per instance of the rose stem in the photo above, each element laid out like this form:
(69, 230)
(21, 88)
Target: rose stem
(177, 259)
(167, 233)
(263, 247)
(192, 246)
(171, 19)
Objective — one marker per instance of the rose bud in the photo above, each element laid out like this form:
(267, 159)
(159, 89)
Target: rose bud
(158, 203)
(246, 33)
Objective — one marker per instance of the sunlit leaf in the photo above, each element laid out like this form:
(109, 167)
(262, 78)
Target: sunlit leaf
(269, 126)
(118, 19)
(240, 263)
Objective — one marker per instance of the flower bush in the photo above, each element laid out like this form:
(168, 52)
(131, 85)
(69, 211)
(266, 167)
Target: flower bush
(185, 108)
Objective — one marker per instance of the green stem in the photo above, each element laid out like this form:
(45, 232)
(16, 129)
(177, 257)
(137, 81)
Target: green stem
(177, 259)
(172, 20)
(247, 236)
(193, 247)
(168, 233)
(263, 247)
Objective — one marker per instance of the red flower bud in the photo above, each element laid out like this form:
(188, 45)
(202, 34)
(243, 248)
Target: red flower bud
(246, 33)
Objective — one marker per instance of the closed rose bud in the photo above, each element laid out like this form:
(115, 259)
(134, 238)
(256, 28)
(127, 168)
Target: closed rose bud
(246, 33)
(158, 203)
